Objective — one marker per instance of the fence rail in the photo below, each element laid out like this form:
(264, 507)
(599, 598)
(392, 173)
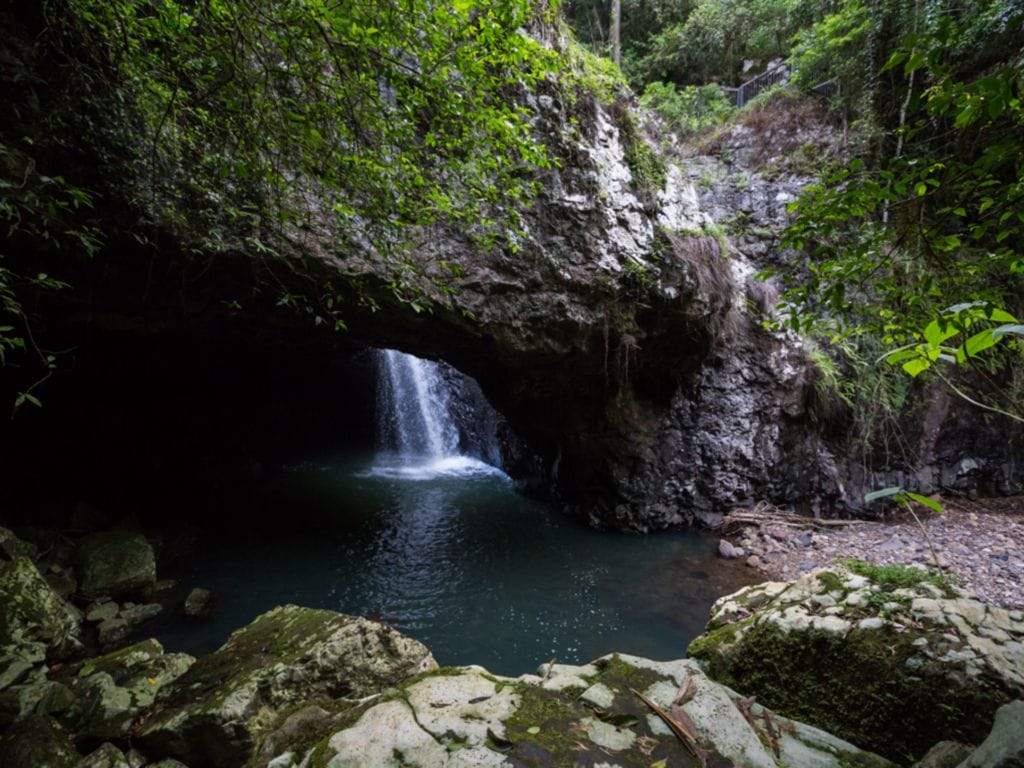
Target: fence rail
(741, 94)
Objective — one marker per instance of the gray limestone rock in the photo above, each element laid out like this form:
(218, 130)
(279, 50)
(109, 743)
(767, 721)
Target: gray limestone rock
(31, 612)
(945, 754)
(892, 667)
(215, 714)
(41, 697)
(113, 690)
(107, 756)
(1004, 747)
(115, 564)
(466, 717)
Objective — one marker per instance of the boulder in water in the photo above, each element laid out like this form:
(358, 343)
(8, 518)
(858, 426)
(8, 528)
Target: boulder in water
(115, 564)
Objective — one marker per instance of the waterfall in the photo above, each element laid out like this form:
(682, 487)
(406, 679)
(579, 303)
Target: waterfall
(431, 420)
(413, 407)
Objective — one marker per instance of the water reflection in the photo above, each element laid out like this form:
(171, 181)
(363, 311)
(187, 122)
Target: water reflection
(463, 563)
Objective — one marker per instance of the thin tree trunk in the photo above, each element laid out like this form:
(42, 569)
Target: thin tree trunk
(616, 31)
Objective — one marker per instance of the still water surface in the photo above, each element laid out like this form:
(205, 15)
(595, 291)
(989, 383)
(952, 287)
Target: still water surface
(450, 554)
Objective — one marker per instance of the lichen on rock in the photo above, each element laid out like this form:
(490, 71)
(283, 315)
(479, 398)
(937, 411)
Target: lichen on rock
(456, 718)
(115, 563)
(214, 714)
(113, 690)
(31, 612)
(894, 668)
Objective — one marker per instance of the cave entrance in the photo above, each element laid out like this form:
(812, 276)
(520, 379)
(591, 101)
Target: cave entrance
(269, 474)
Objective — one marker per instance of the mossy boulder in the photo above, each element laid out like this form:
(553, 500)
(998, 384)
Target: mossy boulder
(890, 660)
(113, 690)
(215, 713)
(569, 716)
(37, 742)
(115, 564)
(32, 613)
(11, 546)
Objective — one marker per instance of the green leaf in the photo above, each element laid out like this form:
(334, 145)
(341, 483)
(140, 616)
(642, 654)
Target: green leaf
(917, 366)
(930, 503)
(882, 494)
(937, 332)
(975, 344)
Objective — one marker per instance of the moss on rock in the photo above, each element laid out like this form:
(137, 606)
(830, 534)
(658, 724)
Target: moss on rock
(115, 564)
(31, 612)
(892, 666)
(215, 713)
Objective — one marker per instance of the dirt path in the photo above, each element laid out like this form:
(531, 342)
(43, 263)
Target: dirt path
(980, 542)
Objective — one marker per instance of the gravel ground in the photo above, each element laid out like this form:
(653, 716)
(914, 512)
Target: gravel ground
(980, 542)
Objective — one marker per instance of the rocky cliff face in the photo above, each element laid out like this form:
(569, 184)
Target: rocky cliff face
(621, 336)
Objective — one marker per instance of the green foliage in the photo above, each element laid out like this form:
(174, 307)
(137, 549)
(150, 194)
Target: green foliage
(41, 208)
(836, 48)
(895, 576)
(691, 109)
(252, 123)
(936, 221)
(715, 37)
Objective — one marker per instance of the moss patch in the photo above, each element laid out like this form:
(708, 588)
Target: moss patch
(858, 687)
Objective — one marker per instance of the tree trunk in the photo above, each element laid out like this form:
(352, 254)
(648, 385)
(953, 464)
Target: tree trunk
(616, 30)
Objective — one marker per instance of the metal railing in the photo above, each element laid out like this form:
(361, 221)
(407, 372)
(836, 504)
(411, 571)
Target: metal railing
(741, 94)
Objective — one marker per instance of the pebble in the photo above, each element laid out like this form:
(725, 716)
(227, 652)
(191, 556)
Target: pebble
(990, 566)
(729, 550)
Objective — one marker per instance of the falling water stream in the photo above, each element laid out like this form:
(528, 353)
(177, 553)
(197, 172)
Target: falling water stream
(427, 534)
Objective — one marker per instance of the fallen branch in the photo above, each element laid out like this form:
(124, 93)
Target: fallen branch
(685, 733)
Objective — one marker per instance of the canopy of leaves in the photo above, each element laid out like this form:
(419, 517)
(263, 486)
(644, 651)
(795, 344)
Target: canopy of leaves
(926, 233)
(694, 42)
(265, 127)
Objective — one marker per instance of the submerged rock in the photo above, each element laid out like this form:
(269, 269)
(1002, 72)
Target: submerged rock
(216, 712)
(112, 690)
(31, 612)
(198, 603)
(889, 664)
(115, 564)
(468, 717)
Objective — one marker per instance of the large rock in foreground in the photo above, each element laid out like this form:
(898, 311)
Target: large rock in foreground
(216, 712)
(889, 658)
(568, 716)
